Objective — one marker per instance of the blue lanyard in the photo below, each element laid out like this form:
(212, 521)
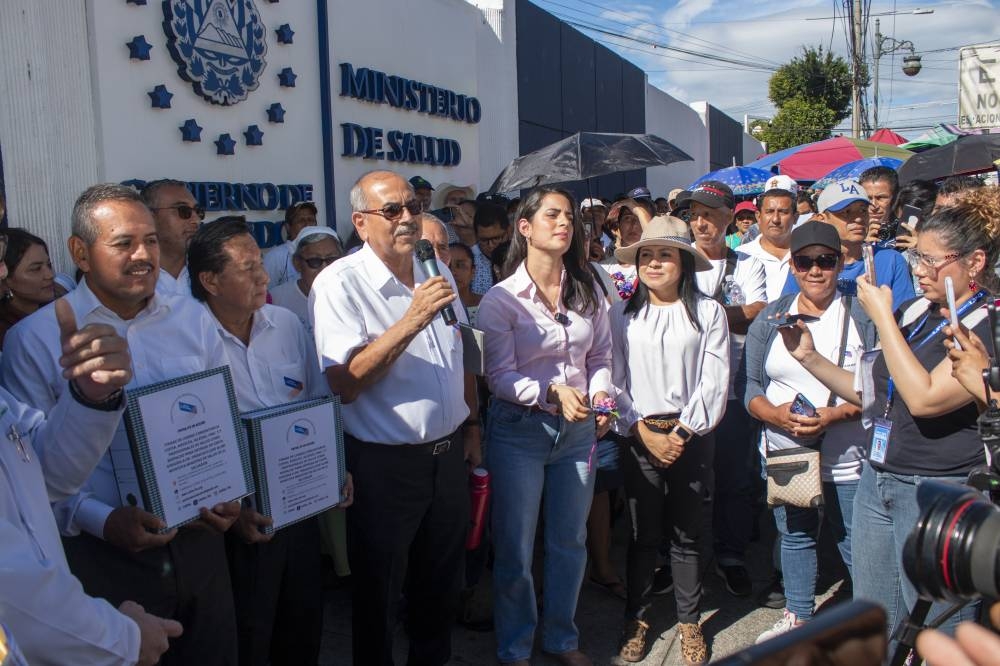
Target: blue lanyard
(962, 310)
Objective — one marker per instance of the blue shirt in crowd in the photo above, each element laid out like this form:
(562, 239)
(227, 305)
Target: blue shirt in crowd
(891, 269)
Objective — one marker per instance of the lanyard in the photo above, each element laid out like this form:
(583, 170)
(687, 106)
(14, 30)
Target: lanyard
(962, 311)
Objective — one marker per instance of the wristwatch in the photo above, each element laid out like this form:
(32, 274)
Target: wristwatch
(683, 433)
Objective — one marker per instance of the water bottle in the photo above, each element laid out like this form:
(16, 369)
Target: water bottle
(731, 292)
(479, 496)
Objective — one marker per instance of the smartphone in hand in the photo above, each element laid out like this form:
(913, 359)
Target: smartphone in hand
(802, 406)
(949, 292)
(868, 254)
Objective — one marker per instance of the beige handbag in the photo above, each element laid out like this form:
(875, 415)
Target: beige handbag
(793, 475)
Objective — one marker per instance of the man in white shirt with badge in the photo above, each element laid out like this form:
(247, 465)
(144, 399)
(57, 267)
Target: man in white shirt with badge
(116, 550)
(737, 280)
(408, 428)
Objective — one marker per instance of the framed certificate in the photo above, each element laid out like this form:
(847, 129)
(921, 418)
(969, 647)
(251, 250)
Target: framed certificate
(297, 452)
(188, 447)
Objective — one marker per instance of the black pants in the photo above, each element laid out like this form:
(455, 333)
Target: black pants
(410, 513)
(278, 592)
(187, 580)
(657, 498)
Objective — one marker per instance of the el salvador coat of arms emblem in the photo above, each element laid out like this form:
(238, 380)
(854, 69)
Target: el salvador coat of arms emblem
(218, 45)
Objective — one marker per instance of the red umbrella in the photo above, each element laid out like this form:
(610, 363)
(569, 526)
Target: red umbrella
(815, 160)
(885, 135)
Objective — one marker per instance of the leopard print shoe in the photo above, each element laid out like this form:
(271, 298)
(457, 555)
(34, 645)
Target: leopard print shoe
(693, 647)
(633, 643)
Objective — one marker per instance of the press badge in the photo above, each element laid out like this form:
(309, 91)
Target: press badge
(880, 440)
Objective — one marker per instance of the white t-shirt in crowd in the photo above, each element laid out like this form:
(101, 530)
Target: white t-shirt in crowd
(843, 447)
(775, 269)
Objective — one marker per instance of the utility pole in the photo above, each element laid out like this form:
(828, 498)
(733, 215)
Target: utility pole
(857, 60)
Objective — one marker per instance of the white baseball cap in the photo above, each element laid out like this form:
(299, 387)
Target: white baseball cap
(782, 183)
(840, 194)
(591, 203)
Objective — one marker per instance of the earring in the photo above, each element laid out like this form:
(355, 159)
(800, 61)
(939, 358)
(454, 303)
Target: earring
(972, 283)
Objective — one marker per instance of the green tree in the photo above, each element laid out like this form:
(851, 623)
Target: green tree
(817, 76)
(798, 121)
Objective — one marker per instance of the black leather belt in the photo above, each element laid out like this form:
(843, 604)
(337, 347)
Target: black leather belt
(433, 448)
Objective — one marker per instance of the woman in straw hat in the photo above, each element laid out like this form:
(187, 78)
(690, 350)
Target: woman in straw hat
(670, 350)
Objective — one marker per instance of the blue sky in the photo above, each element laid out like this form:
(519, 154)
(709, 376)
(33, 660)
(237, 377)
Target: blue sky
(761, 36)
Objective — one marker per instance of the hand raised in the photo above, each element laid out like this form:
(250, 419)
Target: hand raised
(94, 357)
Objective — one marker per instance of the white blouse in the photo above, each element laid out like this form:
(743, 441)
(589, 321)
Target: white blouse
(661, 364)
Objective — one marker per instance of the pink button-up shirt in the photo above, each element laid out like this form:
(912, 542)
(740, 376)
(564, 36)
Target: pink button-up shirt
(527, 349)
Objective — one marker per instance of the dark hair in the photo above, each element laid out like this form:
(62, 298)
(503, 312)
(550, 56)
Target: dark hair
(18, 242)
(883, 173)
(777, 192)
(578, 291)
(956, 184)
(687, 288)
(462, 247)
(151, 189)
(205, 253)
(972, 223)
(804, 196)
(490, 215)
(918, 193)
(90, 199)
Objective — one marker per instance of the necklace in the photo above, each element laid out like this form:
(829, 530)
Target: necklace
(553, 310)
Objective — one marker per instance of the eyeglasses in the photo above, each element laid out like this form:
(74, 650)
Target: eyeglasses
(936, 263)
(184, 211)
(394, 211)
(319, 262)
(826, 262)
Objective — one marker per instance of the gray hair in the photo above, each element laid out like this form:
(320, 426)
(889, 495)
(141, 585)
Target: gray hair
(358, 196)
(316, 238)
(151, 189)
(93, 197)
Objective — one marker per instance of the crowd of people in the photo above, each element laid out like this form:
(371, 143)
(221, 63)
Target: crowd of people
(641, 356)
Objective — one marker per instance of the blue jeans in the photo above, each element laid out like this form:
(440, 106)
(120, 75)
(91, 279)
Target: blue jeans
(885, 511)
(798, 528)
(528, 453)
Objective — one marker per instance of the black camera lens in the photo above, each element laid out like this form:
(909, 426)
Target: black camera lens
(953, 553)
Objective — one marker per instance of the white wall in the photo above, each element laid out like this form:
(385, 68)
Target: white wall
(679, 124)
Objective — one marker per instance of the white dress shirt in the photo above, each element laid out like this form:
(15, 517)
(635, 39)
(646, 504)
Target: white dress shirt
(50, 616)
(775, 269)
(278, 264)
(661, 364)
(750, 277)
(289, 296)
(168, 285)
(277, 367)
(421, 397)
(171, 337)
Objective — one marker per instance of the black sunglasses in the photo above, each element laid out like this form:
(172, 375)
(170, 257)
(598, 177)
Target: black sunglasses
(184, 211)
(826, 262)
(394, 211)
(319, 262)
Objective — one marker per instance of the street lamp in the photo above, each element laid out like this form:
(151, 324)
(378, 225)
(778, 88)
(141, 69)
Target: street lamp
(885, 46)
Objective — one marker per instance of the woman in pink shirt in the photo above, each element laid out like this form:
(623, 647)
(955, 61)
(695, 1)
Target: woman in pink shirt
(548, 361)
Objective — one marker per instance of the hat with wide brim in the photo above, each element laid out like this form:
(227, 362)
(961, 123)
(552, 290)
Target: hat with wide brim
(444, 189)
(668, 231)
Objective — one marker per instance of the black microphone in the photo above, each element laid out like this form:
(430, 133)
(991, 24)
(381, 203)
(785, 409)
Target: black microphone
(425, 255)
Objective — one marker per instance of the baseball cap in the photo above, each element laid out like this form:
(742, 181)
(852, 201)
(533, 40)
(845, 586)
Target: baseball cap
(786, 183)
(673, 193)
(419, 182)
(840, 194)
(296, 207)
(712, 193)
(745, 205)
(639, 193)
(592, 203)
(815, 233)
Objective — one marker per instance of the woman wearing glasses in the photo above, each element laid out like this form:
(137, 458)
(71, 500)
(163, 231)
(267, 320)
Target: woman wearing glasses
(548, 362)
(773, 386)
(925, 423)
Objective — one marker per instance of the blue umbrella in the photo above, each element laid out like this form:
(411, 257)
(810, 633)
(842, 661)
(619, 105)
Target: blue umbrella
(742, 180)
(855, 169)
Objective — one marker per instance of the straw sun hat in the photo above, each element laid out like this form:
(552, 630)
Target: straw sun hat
(664, 230)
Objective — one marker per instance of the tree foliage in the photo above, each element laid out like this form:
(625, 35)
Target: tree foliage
(815, 76)
(798, 121)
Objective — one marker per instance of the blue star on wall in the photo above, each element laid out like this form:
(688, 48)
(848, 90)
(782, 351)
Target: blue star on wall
(138, 48)
(190, 130)
(254, 136)
(225, 145)
(276, 113)
(160, 97)
(285, 33)
(287, 77)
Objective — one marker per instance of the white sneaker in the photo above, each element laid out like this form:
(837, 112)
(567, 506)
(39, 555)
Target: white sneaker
(787, 622)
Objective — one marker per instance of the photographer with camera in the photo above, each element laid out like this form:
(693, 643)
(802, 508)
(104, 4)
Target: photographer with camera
(927, 419)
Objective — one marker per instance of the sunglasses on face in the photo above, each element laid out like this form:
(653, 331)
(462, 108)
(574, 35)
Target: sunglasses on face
(184, 211)
(394, 211)
(826, 262)
(319, 262)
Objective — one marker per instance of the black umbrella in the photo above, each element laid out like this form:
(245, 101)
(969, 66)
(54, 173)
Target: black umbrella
(969, 154)
(587, 155)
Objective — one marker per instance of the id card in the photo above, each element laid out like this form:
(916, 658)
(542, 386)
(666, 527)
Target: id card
(880, 440)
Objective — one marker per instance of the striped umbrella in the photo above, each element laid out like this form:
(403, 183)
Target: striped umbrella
(740, 179)
(855, 169)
